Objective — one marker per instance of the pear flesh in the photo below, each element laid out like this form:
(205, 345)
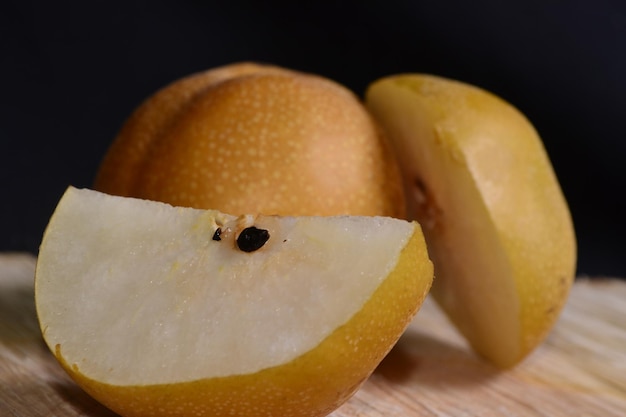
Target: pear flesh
(498, 228)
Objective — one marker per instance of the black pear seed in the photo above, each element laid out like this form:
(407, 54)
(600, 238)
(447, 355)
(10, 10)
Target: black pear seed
(252, 238)
(217, 235)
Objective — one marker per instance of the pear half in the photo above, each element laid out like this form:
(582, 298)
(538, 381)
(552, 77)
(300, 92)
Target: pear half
(498, 228)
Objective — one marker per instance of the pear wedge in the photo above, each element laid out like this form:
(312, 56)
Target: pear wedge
(498, 228)
(168, 311)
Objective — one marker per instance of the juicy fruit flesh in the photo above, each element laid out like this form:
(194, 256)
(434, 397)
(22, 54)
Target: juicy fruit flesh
(145, 310)
(453, 221)
(497, 225)
(269, 141)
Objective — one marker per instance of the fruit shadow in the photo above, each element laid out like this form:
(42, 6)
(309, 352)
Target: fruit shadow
(85, 405)
(18, 319)
(420, 358)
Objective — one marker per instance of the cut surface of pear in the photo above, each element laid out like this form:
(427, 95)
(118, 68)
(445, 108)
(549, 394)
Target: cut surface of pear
(498, 228)
(157, 310)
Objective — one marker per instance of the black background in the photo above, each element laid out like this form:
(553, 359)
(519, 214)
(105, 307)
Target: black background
(71, 72)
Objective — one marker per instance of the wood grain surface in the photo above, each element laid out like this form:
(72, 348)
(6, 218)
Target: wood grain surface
(580, 370)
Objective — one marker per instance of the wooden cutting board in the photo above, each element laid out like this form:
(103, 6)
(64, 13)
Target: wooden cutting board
(579, 371)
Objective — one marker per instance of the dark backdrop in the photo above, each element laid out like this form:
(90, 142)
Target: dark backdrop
(71, 72)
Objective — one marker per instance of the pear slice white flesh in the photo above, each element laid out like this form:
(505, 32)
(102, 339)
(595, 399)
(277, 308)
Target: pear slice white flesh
(498, 228)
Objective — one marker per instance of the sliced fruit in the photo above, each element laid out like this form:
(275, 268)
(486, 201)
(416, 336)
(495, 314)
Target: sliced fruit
(498, 228)
(165, 311)
(249, 138)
